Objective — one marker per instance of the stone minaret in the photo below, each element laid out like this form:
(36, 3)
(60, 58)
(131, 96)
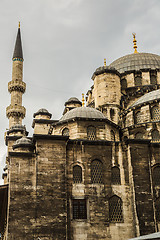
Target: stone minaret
(15, 111)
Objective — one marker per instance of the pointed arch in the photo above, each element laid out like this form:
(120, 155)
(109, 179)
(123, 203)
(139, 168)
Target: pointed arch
(115, 175)
(96, 171)
(77, 174)
(115, 209)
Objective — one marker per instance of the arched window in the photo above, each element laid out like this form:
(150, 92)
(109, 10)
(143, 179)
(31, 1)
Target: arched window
(153, 77)
(156, 176)
(91, 133)
(157, 206)
(77, 174)
(96, 171)
(138, 79)
(65, 132)
(138, 117)
(112, 135)
(115, 209)
(155, 135)
(123, 83)
(155, 114)
(139, 135)
(115, 175)
(112, 113)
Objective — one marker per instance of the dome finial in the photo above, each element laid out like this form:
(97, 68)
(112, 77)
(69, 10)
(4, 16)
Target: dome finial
(82, 99)
(19, 25)
(134, 41)
(104, 62)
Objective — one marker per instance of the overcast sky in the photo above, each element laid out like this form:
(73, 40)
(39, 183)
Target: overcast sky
(64, 41)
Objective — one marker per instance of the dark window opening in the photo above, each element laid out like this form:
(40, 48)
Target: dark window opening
(123, 84)
(79, 209)
(138, 79)
(157, 206)
(156, 176)
(155, 135)
(112, 113)
(115, 209)
(153, 77)
(77, 174)
(96, 172)
(115, 175)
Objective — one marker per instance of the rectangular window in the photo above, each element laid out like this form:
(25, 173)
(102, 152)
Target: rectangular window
(79, 209)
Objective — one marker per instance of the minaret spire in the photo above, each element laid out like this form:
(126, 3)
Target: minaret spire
(16, 112)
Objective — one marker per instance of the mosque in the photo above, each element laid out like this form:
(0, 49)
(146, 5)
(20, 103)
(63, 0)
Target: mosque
(94, 173)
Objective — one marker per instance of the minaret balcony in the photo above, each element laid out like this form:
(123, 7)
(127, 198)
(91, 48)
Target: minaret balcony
(15, 111)
(16, 85)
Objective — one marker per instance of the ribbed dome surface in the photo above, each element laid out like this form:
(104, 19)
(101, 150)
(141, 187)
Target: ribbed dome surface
(83, 112)
(151, 96)
(42, 111)
(73, 100)
(136, 61)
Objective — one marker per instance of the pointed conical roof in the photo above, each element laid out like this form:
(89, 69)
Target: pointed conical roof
(18, 46)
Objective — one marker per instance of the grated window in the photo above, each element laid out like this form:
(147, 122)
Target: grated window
(139, 135)
(138, 117)
(79, 209)
(65, 132)
(157, 206)
(77, 174)
(91, 133)
(156, 176)
(115, 209)
(112, 135)
(115, 175)
(155, 113)
(112, 113)
(96, 172)
(155, 136)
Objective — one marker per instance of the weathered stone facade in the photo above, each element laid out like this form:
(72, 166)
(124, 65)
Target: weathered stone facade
(93, 174)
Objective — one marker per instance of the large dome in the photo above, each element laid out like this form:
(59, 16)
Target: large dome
(83, 112)
(136, 61)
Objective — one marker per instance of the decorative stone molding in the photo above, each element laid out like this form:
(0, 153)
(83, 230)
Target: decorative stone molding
(16, 85)
(18, 111)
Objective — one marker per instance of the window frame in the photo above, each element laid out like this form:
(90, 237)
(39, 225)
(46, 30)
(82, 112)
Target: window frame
(74, 182)
(76, 202)
(89, 135)
(114, 219)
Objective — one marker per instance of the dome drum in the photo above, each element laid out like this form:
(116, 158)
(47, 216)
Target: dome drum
(42, 114)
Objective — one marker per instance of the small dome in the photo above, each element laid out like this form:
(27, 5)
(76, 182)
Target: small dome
(42, 111)
(136, 62)
(83, 112)
(73, 100)
(148, 97)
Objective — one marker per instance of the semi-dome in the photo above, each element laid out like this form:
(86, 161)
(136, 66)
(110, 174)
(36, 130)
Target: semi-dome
(136, 61)
(148, 97)
(83, 112)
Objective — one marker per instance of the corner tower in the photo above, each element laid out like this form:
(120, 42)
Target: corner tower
(15, 111)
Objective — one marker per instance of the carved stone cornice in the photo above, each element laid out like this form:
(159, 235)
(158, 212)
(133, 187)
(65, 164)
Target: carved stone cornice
(16, 85)
(15, 111)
